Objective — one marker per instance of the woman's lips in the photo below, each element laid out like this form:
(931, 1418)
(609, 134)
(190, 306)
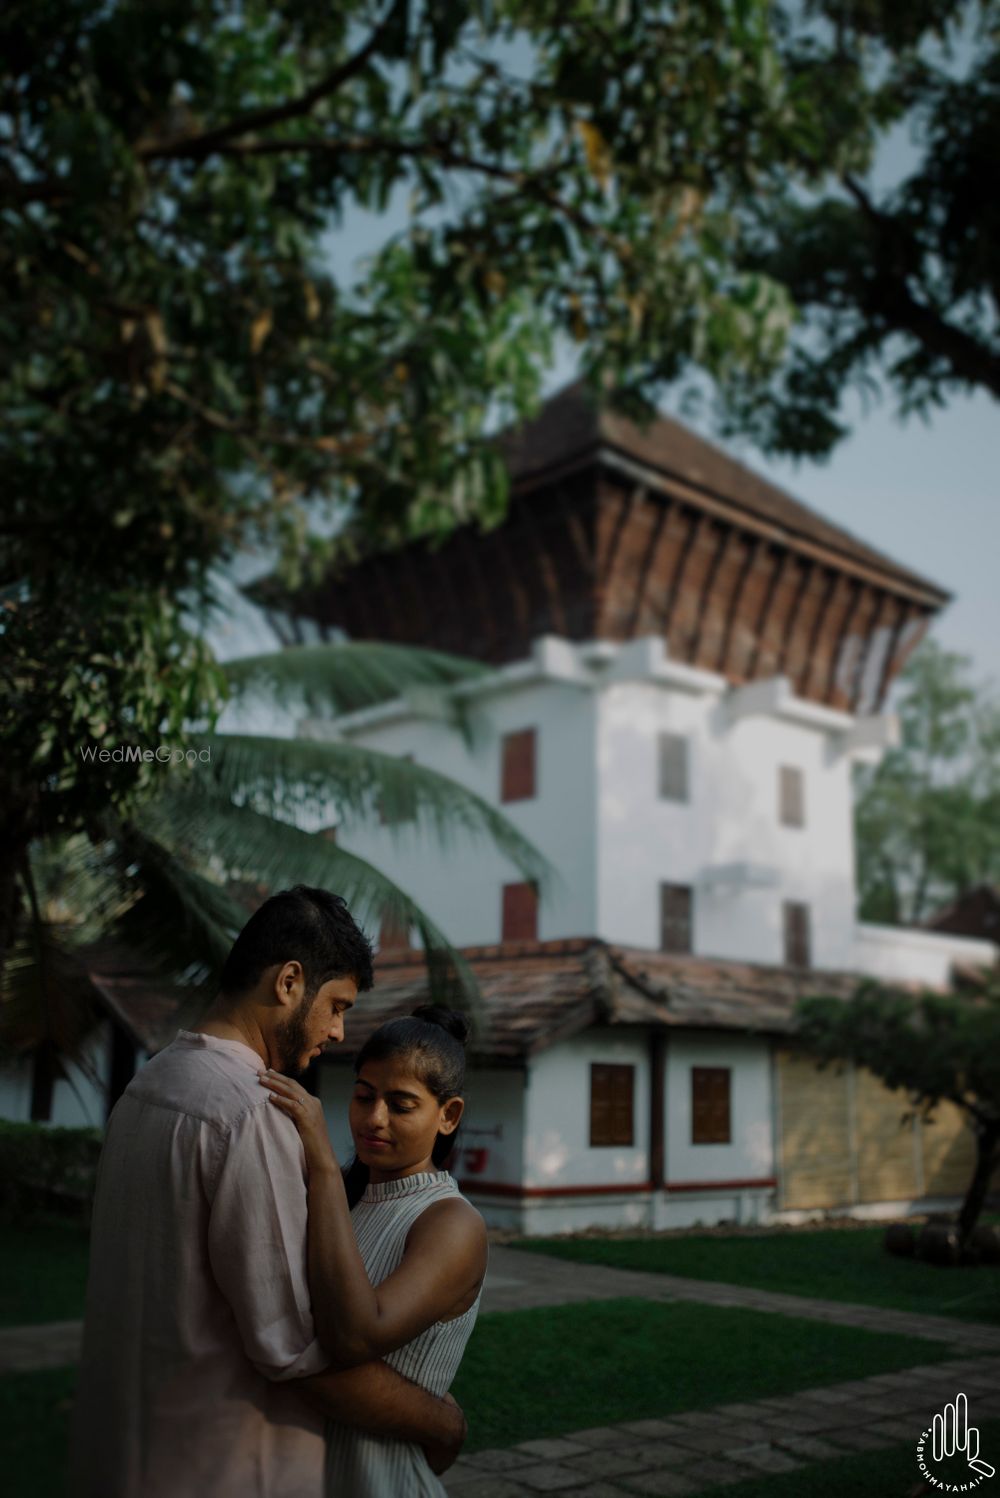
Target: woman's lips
(375, 1143)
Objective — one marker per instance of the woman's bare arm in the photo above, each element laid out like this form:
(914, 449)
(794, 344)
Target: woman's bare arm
(443, 1263)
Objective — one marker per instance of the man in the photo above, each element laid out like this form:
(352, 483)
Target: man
(201, 1376)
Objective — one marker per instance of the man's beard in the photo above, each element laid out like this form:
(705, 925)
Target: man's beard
(291, 1039)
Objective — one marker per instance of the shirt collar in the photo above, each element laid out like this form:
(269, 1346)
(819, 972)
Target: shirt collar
(215, 1042)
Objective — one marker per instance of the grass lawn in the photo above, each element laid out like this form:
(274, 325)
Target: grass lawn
(544, 1372)
(43, 1270)
(550, 1371)
(848, 1264)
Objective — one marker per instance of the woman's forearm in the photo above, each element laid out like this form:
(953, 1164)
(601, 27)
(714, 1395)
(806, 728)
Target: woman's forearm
(345, 1303)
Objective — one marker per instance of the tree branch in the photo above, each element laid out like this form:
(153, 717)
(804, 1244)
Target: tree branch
(969, 360)
(197, 146)
(531, 183)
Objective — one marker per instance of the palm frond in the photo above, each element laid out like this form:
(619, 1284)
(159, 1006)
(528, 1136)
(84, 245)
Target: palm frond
(344, 677)
(249, 843)
(281, 776)
(180, 922)
(47, 995)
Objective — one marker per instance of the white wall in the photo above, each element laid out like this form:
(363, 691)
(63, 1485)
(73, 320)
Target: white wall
(15, 1091)
(460, 888)
(78, 1101)
(598, 816)
(493, 1121)
(750, 1155)
(557, 1149)
(917, 956)
(731, 817)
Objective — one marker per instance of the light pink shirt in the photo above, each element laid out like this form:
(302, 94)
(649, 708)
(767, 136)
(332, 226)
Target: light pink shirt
(198, 1318)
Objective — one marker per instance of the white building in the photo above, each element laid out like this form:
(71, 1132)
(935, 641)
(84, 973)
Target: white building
(686, 663)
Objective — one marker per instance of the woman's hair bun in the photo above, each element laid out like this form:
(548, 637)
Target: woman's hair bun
(451, 1020)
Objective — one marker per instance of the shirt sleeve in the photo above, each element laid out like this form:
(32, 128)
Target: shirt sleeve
(257, 1244)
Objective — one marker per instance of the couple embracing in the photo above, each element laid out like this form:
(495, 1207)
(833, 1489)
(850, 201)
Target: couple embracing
(261, 1323)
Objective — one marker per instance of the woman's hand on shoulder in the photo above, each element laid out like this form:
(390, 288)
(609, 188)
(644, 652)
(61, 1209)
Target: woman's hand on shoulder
(306, 1112)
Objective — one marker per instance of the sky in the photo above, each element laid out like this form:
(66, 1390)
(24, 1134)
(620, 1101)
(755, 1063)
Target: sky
(925, 493)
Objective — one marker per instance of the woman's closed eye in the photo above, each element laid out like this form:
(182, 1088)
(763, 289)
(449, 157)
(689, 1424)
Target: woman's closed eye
(366, 1097)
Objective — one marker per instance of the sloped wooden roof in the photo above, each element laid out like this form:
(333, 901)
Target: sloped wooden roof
(572, 427)
(615, 532)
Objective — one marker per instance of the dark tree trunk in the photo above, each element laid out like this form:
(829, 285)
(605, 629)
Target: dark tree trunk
(987, 1157)
(12, 858)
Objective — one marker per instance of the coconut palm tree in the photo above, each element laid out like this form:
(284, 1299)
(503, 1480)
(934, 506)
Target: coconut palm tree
(169, 883)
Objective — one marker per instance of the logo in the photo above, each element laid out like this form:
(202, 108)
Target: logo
(955, 1465)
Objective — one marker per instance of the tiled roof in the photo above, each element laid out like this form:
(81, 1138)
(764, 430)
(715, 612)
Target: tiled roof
(700, 991)
(149, 1010)
(533, 995)
(571, 425)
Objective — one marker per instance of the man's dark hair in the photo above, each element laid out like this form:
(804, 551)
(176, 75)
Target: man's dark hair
(312, 926)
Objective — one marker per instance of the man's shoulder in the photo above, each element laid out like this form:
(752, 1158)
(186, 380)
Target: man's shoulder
(214, 1085)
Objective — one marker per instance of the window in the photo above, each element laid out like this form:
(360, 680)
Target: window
(398, 806)
(797, 940)
(791, 796)
(517, 773)
(611, 1091)
(673, 767)
(710, 1094)
(675, 917)
(520, 913)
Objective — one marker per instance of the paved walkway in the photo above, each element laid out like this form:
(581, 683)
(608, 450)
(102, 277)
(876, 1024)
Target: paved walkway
(702, 1449)
(517, 1279)
(705, 1449)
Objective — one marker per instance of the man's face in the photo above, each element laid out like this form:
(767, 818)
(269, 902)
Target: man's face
(314, 1024)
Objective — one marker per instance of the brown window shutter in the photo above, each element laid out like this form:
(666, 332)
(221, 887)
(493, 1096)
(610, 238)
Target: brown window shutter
(676, 902)
(798, 944)
(611, 1104)
(517, 775)
(710, 1104)
(791, 796)
(520, 913)
(393, 934)
(673, 767)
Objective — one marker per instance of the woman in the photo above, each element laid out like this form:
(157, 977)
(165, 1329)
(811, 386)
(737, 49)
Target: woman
(401, 1276)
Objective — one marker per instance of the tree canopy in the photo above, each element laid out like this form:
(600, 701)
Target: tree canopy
(896, 281)
(934, 1047)
(184, 374)
(928, 816)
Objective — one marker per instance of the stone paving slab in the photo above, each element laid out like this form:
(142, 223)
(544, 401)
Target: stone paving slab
(54, 1345)
(695, 1451)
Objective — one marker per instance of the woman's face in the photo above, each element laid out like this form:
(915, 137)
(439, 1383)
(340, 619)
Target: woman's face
(395, 1119)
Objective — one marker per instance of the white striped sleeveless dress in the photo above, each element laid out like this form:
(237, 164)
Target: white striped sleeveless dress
(364, 1466)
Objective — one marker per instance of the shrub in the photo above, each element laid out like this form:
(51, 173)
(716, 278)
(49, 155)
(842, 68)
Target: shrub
(44, 1167)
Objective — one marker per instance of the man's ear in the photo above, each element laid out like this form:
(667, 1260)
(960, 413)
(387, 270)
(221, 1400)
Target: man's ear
(451, 1115)
(289, 984)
